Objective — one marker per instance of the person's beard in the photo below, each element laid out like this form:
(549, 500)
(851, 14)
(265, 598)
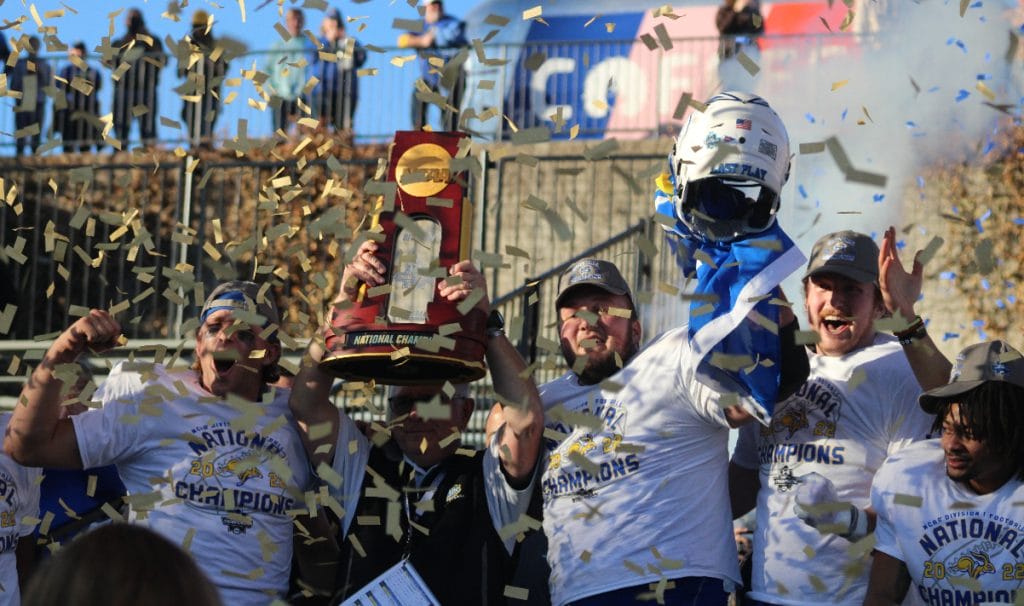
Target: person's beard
(599, 369)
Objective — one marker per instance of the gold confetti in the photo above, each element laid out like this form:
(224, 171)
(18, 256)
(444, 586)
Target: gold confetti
(907, 499)
(748, 64)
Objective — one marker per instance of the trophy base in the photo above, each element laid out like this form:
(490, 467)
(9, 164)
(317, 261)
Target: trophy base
(405, 354)
(414, 369)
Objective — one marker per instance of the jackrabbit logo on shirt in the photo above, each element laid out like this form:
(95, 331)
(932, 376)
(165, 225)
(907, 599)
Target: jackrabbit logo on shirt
(235, 472)
(801, 431)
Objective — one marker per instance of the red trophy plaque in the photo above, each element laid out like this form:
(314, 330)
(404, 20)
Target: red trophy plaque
(403, 332)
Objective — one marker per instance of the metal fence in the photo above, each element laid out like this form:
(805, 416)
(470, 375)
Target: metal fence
(122, 235)
(591, 84)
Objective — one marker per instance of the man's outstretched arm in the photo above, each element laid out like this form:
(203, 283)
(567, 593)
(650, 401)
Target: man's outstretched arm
(36, 435)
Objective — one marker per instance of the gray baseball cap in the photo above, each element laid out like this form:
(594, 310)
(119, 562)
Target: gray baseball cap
(244, 299)
(847, 253)
(976, 365)
(594, 272)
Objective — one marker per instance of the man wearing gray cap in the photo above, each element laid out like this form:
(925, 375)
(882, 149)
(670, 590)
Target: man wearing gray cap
(949, 515)
(632, 432)
(809, 471)
(209, 455)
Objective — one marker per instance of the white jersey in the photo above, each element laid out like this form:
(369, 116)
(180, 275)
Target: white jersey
(959, 547)
(853, 412)
(19, 510)
(220, 478)
(638, 490)
(352, 451)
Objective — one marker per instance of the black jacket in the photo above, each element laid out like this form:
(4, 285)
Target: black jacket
(460, 557)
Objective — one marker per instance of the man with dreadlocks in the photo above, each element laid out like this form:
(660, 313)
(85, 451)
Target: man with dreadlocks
(949, 516)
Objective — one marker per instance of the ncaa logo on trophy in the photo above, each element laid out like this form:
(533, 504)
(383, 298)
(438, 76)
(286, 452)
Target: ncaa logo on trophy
(402, 332)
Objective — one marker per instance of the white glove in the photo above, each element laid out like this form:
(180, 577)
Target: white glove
(817, 504)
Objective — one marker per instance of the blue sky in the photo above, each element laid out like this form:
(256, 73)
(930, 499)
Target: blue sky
(92, 21)
(370, 22)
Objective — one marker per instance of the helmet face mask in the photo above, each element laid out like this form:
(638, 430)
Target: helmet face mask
(734, 156)
(723, 209)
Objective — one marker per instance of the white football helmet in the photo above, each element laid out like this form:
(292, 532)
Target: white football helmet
(730, 163)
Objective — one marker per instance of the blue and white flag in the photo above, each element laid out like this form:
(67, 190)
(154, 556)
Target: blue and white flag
(734, 322)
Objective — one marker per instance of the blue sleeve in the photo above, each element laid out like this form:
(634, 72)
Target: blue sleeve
(450, 32)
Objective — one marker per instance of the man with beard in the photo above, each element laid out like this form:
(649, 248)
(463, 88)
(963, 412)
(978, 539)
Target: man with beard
(635, 430)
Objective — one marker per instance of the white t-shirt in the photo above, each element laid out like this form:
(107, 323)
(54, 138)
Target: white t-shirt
(352, 451)
(959, 547)
(19, 507)
(218, 477)
(853, 412)
(650, 500)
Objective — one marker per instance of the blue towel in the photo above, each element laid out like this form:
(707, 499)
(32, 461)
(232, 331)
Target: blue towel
(738, 354)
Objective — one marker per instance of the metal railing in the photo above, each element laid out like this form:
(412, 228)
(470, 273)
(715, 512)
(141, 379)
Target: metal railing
(591, 84)
(120, 235)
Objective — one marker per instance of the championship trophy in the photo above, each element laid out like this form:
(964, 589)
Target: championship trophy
(402, 332)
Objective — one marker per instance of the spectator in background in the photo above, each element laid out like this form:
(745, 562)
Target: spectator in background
(443, 37)
(286, 66)
(203, 79)
(121, 564)
(76, 112)
(334, 101)
(739, 22)
(5, 51)
(29, 76)
(135, 91)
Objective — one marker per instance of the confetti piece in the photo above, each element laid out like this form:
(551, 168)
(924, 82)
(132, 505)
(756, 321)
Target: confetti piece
(112, 513)
(7, 317)
(663, 38)
(906, 499)
(986, 91)
(517, 593)
(533, 13)
(748, 64)
(806, 337)
(929, 251)
(326, 473)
